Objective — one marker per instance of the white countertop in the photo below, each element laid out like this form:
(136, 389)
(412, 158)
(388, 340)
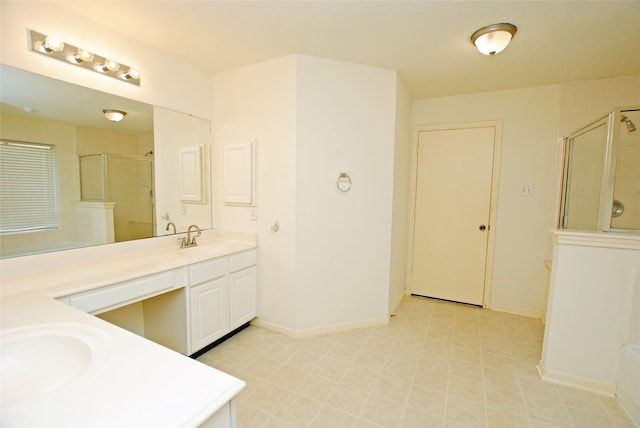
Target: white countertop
(139, 383)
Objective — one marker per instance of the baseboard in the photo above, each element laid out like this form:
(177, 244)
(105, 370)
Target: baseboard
(527, 312)
(586, 384)
(314, 331)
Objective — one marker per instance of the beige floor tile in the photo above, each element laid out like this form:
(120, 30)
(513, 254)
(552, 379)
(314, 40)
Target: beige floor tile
(328, 417)
(399, 369)
(250, 417)
(467, 389)
(268, 398)
(504, 400)
(317, 387)
(288, 376)
(427, 400)
(360, 378)
(499, 419)
(333, 369)
(436, 379)
(585, 419)
(371, 361)
(465, 412)
(436, 364)
(392, 389)
(383, 412)
(348, 399)
(548, 411)
(414, 418)
(299, 410)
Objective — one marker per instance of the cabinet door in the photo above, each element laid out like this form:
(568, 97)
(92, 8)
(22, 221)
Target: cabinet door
(243, 300)
(209, 313)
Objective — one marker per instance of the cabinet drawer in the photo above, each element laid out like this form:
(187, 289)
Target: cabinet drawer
(242, 260)
(99, 300)
(206, 271)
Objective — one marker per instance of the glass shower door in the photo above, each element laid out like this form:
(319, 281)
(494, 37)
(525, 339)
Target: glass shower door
(585, 169)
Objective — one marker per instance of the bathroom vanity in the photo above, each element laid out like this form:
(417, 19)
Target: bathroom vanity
(63, 366)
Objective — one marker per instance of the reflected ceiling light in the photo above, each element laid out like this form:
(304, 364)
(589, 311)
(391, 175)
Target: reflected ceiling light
(80, 56)
(132, 73)
(493, 38)
(56, 48)
(114, 115)
(48, 45)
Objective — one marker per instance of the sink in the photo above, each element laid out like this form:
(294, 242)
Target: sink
(37, 360)
(204, 249)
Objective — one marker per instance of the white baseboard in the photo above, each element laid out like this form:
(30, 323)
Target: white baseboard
(604, 388)
(527, 312)
(314, 331)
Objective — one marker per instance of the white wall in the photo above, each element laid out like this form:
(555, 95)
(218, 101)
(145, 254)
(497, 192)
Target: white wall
(346, 122)
(592, 284)
(402, 162)
(329, 263)
(259, 103)
(528, 150)
(165, 82)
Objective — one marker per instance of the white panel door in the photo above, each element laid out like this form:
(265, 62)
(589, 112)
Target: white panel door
(243, 301)
(452, 211)
(209, 313)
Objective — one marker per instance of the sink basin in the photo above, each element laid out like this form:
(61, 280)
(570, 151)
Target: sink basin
(204, 249)
(39, 359)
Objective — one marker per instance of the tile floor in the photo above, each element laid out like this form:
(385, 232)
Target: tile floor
(436, 364)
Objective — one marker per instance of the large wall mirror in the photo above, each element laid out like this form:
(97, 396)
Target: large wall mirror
(70, 177)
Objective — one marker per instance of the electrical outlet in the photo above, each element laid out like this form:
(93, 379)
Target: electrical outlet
(526, 190)
(253, 214)
(184, 209)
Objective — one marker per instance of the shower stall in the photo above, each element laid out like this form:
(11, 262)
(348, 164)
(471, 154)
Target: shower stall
(601, 186)
(125, 181)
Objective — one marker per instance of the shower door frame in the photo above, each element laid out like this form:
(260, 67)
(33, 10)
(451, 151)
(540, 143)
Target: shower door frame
(608, 171)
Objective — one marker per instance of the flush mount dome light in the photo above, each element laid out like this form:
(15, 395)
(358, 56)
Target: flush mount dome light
(493, 38)
(114, 115)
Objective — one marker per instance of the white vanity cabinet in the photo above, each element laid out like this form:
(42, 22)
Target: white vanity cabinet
(242, 288)
(222, 297)
(208, 302)
(185, 309)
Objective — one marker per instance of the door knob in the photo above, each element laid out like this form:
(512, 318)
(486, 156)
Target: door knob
(482, 227)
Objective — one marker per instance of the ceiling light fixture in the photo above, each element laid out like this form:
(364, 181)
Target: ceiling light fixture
(493, 38)
(56, 48)
(114, 115)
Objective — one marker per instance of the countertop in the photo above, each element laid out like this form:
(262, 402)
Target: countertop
(137, 382)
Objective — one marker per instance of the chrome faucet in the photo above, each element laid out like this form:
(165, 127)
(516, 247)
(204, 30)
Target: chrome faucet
(173, 225)
(189, 241)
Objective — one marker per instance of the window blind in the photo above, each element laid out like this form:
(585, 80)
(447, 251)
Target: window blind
(28, 189)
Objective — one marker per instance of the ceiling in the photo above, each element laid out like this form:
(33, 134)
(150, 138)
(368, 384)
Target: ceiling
(427, 42)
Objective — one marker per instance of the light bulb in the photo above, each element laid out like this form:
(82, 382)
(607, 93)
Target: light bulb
(80, 56)
(132, 73)
(107, 65)
(50, 44)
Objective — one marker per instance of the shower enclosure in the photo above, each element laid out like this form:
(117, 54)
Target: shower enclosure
(127, 181)
(601, 185)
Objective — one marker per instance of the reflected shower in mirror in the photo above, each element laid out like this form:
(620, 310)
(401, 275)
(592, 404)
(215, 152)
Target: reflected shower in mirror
(107, 197)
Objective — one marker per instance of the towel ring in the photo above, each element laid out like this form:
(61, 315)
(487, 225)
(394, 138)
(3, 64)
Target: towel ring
(343, 183)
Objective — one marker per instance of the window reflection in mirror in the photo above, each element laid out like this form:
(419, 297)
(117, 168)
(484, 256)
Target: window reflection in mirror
(42, 110)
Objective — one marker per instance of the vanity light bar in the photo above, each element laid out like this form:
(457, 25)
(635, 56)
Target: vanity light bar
(56, 48)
